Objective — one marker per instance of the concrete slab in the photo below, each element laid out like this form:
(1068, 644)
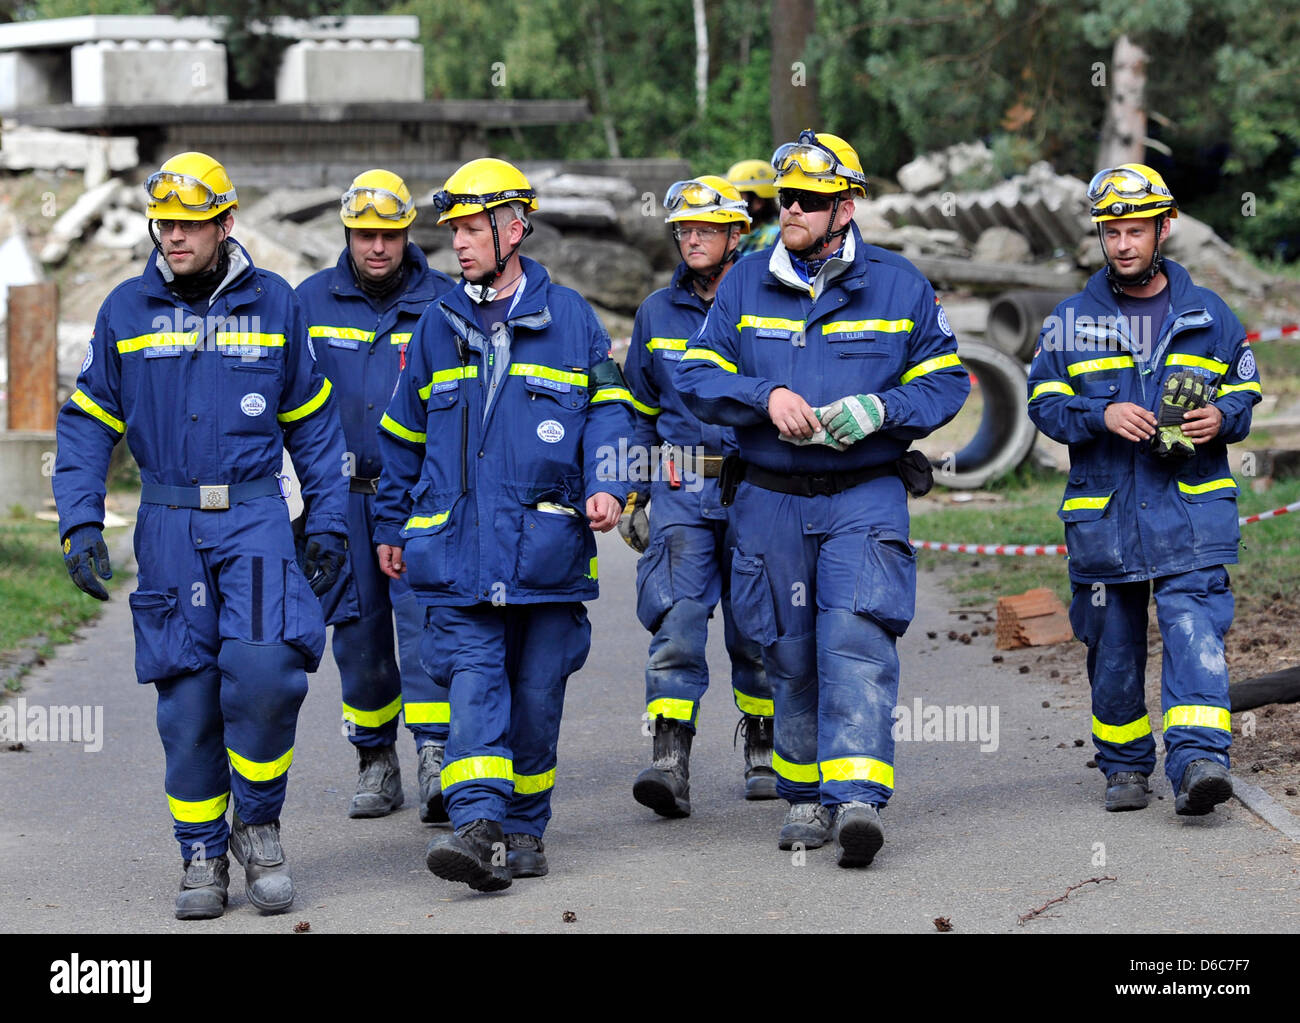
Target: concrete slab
(33, 79)
(26, 465)
(105, 72)
(67, 32)
(28, 148)
(327, 71)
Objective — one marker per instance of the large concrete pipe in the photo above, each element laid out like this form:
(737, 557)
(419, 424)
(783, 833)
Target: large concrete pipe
(1016, 317)
(1005, 435)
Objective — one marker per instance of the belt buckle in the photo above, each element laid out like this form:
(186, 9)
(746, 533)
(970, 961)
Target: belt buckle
(821, 484)
(214, 498)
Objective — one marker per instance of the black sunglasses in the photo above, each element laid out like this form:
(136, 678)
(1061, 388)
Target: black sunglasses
(809, 202)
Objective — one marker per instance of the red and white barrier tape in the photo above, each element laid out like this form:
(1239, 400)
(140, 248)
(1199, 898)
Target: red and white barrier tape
(1060, 548)
(1273, 333)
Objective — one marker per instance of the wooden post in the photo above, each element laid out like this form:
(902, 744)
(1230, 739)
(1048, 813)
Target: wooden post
(33, 356)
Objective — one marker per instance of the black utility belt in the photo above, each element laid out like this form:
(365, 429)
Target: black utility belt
(210, 496)
(912, 467)
(363, 484)
(687, 461)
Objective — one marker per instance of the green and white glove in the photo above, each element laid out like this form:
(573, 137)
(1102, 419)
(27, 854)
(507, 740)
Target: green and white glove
(818, 437)
(1184, 390)
(851, 418)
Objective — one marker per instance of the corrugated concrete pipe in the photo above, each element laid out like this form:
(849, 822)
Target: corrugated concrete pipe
(1016, 317)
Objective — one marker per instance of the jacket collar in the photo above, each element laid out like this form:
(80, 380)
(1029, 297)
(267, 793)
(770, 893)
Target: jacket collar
(1183, 297)
(682, 289)
(158, 275)
(529, 310)
(846, 267)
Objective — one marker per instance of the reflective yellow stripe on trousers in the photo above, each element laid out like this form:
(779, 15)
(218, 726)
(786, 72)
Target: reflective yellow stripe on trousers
(1198, 716)
(1120, 734)
(198, 811)
(858, 769)
(806, 773)
(258, 770)
(478, 769)
(372, 718)
(435, 712)
(676, 710)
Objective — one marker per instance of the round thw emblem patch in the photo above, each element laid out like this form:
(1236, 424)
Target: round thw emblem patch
(550, 431)
(1246, 365)
(943, 322)
(90, 356)
(252, 404)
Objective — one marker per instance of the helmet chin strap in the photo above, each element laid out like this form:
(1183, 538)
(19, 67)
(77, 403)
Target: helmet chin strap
(1118, 282)
(810, 252)
(481, 290)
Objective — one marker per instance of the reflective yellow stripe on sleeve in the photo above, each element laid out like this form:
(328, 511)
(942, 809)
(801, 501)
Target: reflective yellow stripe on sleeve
(1052, 387)
(1198, 716)
(342, 333)
(398, 430)
(929, 366)
(709, 356)
(87, 405)
(1208, 485)
(526, 369)
(1196, 361)
(859, 769)
(372, 718)
(309, 406)
(166, 339)
(806, 773)
(1249, 385)
(427, 521)
(615, 394)
(477, 769)
(879, 326)
(198, 811)
(667, 344)
(1075, 503)
(258, 770)
(1098, 365)
(434, 712)
(674, 710)
(1120, 734)
(747, 704)
(443, 376)
(530, 784)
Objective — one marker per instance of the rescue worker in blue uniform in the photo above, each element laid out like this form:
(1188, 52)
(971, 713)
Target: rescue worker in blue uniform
(203, 364)
(1148, 379)
(360, 315)
(686, 564)
(493, 522)
(756, 182)
(828, 356)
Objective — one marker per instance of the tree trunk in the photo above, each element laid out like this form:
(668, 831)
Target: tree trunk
(701, 59)
(794, 90)
(1124, 132)
(602, 80)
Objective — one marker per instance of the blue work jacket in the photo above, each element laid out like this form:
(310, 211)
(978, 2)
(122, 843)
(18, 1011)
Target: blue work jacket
(201, 400)
(876, 328)
(485, 484)
(1128, 515)
(361, 349)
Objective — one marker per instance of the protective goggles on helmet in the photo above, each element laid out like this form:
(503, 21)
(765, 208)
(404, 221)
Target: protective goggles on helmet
(189, 191)
(697, 195)
(444, 200)
(814, 159)
(386, 204)
(1125, 183)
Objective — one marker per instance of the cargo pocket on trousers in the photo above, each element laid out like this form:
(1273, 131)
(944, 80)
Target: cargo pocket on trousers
(751, 599)
(654, 584)
(886, 591)
(304, 622)
(163, 647)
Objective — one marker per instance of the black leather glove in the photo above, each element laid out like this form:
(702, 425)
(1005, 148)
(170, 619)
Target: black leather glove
(86, 555)
(322, 559)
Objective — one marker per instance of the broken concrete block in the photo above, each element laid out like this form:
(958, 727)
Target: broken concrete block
(1001, 245)
(88, 208)
(27, 148)
(330, 71)
(121, 228)
(33, 79)
(108, 73)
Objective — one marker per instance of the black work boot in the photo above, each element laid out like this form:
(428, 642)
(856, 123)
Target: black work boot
(526, 855)
(379, 782)
(474, 853)
(1206, 783)
(204, 887)
(857, 833)
(760, 779)
(809, 824)
(430, 777)
(664, 786)
(266, 874)
(1127, 790)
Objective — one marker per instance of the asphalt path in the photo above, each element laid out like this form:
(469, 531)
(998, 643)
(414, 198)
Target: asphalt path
(977, 837)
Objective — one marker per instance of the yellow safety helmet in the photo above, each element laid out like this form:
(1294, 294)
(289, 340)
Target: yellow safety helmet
(1129, 190)
(819, 162)
(377, 200)
(189, 186)
(709, 198)
(755, 176)
(479, 185)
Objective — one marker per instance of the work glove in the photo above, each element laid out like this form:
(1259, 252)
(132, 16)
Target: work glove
(634, 524)
(851, 418)
(322, 559)
(1184, 390)
(86, 555)
(818, 437)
